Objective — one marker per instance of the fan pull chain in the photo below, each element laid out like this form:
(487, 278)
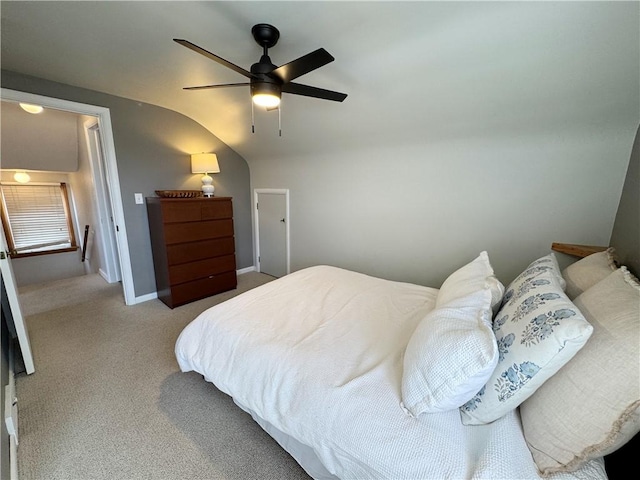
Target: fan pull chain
(280, 119)
(253, 123)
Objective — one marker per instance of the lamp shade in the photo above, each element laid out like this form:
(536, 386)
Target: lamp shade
(204, 163)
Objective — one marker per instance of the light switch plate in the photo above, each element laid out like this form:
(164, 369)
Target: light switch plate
(139, 199)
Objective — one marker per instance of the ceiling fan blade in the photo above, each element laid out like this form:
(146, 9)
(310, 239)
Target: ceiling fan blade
(214, 57)
(302, 65)
(221, 85)
(307, 91)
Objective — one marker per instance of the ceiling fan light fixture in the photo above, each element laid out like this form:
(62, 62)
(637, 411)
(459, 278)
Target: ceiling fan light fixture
(268, 100)
(266, 94)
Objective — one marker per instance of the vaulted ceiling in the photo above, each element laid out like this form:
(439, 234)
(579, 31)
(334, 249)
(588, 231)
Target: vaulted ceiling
(431, 70)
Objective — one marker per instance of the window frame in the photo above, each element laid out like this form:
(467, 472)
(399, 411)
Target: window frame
(6, 224)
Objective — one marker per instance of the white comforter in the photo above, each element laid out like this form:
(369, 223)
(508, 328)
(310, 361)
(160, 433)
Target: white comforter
(318, 354)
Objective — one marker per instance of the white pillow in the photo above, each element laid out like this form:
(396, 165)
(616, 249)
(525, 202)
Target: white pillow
(591, 407)
(451, 354)
(538, 330)
(588, 271)
(475, 275)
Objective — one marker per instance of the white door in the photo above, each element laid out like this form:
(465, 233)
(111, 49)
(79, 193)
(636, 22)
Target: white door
(272, 219)
(13, 301)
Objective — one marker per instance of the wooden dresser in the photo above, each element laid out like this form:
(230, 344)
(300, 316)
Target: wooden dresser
(193, 247)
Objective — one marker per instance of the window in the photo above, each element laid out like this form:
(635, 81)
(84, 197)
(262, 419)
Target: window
(36, 219)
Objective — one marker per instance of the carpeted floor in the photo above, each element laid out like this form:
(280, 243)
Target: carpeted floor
(107, 400)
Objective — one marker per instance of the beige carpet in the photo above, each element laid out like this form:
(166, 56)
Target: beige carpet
(107, 400)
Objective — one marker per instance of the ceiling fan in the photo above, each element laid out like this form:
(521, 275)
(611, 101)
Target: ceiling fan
(267, 81)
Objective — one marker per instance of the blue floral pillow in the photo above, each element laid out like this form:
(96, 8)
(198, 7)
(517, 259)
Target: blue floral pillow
(538, 330)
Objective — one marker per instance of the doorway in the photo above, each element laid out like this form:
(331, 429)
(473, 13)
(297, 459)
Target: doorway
(111, 195)
(272, 231)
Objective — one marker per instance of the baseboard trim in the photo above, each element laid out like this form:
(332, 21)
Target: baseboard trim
(154, 295)
(252, 268)
(145, 298)
(103, 274)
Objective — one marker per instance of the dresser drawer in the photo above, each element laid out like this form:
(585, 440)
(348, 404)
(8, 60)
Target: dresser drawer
(176, 212)
(195, 231)
(190, 252)
(194, 211)
(201, 269)
(215, 210)
(197, 289)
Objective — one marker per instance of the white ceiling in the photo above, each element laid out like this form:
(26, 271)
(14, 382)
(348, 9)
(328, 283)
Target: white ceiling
(427, 70)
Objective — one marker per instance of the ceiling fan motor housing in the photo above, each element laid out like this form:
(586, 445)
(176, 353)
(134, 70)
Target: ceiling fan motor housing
(262, 82)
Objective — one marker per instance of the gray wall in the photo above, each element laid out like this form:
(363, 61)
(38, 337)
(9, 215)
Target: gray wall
(416, 209)
(152, 147)
(626, 230)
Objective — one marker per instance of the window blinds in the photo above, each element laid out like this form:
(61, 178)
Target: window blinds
(37, 216)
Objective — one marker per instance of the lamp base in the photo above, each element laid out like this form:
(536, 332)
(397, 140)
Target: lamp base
(207, 185)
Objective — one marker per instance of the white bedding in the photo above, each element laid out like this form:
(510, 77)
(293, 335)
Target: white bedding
(318, 355)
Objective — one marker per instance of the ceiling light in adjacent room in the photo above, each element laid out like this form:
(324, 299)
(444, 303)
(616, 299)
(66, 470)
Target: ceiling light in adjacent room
(28, 107)
(21, 177)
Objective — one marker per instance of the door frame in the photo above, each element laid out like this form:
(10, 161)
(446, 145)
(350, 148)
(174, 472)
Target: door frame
(111, 172)
(110, 271)
(256, 229)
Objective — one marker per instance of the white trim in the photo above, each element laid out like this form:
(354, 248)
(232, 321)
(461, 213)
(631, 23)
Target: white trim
(13, 458)
(106, 134)
(256, 229)
(101, 195)
(145, 298)
(252, 268)
(13, 439)
(39, 184)
(103, 274)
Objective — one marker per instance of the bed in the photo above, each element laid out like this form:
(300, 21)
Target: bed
(361, 377)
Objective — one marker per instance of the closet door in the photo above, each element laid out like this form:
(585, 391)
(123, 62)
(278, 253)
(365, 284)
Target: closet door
(272, 232)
